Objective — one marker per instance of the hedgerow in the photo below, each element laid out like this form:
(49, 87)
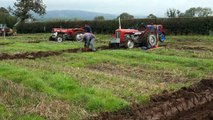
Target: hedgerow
(176, 26)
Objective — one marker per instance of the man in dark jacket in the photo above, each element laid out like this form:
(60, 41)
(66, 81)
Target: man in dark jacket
(87, 28)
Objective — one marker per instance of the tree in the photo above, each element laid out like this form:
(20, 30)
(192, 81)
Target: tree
(151, 16)
(182, 15)
(3, 15)
(173, 13)
(198, 12)
(125, 16)
(203, 12)
(6, 18)
(23, 8)
(190, 12)
(4, 11)
(99, 18)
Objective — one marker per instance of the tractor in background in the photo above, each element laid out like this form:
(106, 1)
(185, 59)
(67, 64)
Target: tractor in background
(147, 36)
(61, 34)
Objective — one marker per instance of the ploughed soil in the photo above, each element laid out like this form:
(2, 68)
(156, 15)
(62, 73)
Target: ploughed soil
(40, 54)
(192, 103)
(33, 41)
(5, 43)
(28, 55)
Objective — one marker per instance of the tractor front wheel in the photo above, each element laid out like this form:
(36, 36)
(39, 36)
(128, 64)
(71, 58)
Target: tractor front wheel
(60, 38)
(77, 36)
(129, 44)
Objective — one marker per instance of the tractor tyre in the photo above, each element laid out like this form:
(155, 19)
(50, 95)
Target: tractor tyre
(77, 36)
(151, 41)
(60, 38)
(129, 44)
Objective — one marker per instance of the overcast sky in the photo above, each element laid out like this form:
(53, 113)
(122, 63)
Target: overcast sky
(134, 7)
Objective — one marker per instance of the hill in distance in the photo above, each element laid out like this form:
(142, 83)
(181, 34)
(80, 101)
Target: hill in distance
(73, 14)
(76, 14)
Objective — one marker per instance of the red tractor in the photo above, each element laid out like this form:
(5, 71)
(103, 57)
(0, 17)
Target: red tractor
(147, 36)
(61, 34)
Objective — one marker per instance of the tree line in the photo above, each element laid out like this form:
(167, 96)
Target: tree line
(171, 13)
(175, 26)
(192, 12)
(22, 10)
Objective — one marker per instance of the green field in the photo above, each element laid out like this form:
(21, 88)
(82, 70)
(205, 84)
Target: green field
(79, 85)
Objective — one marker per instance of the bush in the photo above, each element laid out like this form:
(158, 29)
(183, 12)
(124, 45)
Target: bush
(176, 26)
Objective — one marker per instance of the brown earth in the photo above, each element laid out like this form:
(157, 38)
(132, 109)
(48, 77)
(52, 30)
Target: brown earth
(5, 43)
(195, 45)
(195, 48)
(192, 103)
(40, 54)
(33, 41)
(28, 55)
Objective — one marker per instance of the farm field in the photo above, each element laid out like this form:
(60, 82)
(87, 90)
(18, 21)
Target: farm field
(41, 79)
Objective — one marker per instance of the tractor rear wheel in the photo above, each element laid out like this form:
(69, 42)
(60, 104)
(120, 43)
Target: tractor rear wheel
(151, 41)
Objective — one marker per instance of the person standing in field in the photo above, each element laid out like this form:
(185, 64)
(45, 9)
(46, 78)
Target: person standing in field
(87, 28)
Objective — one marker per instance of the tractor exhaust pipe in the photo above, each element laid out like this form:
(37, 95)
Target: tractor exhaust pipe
(119, 19)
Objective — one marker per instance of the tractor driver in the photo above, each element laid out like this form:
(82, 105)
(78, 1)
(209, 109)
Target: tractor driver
(87, 28)
(89, 40)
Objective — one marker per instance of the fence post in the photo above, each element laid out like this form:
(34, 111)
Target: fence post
(3, 30)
